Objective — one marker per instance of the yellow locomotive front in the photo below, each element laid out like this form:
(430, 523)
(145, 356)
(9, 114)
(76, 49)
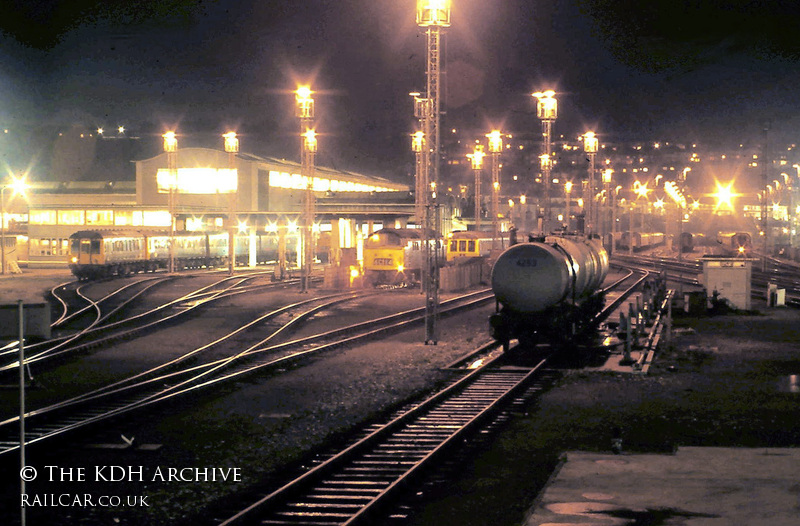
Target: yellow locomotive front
(386, 256)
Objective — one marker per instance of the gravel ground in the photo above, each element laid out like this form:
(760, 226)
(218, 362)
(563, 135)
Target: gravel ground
(260, 426)
(724, 383)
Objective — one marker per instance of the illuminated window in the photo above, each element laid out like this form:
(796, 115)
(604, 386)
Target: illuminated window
(70, 217)
(320, 184)
(43, 217)
(128, 218)
(99, 217)
(199, 180)
(156, 218)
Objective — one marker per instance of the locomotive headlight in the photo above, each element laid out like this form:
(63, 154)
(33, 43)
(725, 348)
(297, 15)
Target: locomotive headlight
(741, 250)
(400, 268)
(353, 273)
(74, 259)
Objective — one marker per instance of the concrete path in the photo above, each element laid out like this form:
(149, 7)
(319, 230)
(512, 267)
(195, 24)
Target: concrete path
(694, 487)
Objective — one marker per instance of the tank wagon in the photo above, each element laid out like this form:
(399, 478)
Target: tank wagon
(547, 290)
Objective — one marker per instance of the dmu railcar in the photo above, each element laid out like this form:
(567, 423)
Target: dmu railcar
(105, 253)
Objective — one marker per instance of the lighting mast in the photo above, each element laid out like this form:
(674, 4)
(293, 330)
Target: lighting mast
(305, 112)
(232, 148)
(171, 149)
(495, 148)
(547, 111)
(590, 144)
(433, 15)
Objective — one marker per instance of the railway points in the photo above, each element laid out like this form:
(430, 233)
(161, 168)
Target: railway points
(286, 421)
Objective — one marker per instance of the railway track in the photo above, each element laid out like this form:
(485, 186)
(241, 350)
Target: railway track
(359, 484)
(99, 334)
(366, 482)
(166, 383)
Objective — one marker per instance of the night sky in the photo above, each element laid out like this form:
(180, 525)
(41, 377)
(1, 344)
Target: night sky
(660, 69)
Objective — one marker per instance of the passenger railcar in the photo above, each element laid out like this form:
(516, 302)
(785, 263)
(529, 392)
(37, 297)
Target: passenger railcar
(469, 244)
(546, 291)
(105, 253)
(641, 241)
(736, 243)
(397, 255)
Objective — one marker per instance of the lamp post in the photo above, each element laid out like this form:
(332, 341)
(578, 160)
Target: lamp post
(18, 186)
(590, 144)
(232, 147)
(423, 157)
(433, 15)
(495, 148)
(547, 112)
(606, 175)
(305, 112)
(567, 192)
(171, 149)
(614, 196)
(476, 158)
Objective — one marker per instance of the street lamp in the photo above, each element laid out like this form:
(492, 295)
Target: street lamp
(476, 157)
(495, 148)
(606, 175)
(171, 149)
(614, 196)
(547, 112)
(232, 147)
(305, 112)
(18, 186)
(590, 144)
(567, 192)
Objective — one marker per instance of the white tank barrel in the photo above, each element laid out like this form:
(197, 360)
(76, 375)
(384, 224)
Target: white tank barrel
(531, 277)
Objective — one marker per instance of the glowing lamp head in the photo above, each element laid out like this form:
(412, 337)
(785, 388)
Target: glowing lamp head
(590, 142)
(170, 142)
(433, 13)
(305, 104)
(495, 141)
(400, 268)
(418, 142)
(310, 141)
(477, 157)
(231, 142)
(546, 105)
(17, 185)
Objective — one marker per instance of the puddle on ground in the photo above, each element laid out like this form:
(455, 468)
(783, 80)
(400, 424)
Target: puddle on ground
(789, 384)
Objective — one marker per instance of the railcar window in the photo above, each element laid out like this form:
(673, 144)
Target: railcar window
(471, 246)
(95, 246)
(76, 246)
(462, 246)
(453, 245)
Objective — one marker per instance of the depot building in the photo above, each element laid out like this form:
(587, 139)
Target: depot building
(209, 186)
